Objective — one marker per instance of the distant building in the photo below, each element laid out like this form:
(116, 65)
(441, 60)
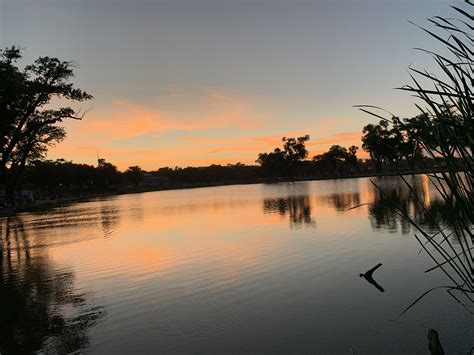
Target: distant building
(155, 181)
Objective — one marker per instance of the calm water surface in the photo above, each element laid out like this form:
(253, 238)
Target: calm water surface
(245, 269)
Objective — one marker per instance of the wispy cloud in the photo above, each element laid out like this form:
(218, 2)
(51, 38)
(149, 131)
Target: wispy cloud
(198, 151)
(338, 138)
(200, 128)
(125, 119)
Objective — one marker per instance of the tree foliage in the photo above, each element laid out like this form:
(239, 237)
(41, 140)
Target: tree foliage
(108, 173)
(390, 141)
(28, 120)
(337, 158)
(284, 162)
(134, 175)
(444, 131)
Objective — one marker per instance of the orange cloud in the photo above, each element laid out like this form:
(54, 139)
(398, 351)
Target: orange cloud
(206, 140)
(198, 129)
(200, 151)
(339, 138)
(254, 145)
(126, 119)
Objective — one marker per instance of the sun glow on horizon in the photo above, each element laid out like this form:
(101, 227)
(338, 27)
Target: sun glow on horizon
(218, 129)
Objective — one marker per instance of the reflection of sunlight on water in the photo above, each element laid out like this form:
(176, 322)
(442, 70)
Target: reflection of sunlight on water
(172, 267)
(426, 190)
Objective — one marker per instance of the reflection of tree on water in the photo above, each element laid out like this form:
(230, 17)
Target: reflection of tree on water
(110, 217)
(39, 307)
(298, 208)
(390, 203)
(384, 210)
(343, 200)
(438, 213)
(439, 221)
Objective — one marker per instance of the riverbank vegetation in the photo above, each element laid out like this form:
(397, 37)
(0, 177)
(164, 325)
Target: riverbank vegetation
(444, 130)
(46, 180)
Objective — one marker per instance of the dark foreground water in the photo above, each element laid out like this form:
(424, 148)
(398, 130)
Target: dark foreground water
(242, 269)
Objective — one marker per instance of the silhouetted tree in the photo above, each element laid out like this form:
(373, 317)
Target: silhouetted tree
(27, 125)
(49, 175)
(351, 157)
(287, 161)
(34, 147)
(134, 175)
(391, 141)
(337, 159)
(412, 130)
(295, 149)
(274, 164)
(384, 144)
(108, 174)
(213, 174)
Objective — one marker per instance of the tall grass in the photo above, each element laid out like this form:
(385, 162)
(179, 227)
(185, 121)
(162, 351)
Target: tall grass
(446, 103)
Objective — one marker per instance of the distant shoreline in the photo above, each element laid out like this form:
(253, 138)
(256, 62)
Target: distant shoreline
(47, 205)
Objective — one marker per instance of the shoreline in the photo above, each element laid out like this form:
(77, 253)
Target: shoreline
(48, 205)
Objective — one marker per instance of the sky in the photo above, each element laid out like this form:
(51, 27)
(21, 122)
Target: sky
(196, 82)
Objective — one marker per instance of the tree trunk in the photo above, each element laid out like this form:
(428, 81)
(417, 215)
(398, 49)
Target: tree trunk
(10, 194)
(12, 181)
(378, 166)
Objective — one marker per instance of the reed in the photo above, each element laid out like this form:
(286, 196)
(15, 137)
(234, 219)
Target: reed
(445, 101)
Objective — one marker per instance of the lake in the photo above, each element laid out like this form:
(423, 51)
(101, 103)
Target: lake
(264, 268)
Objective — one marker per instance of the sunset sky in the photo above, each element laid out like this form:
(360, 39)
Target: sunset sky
(191, 82)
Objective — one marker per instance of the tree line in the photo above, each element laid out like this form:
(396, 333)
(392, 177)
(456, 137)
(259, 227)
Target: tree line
(394, 146)
(50, 175)
(60, 177)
